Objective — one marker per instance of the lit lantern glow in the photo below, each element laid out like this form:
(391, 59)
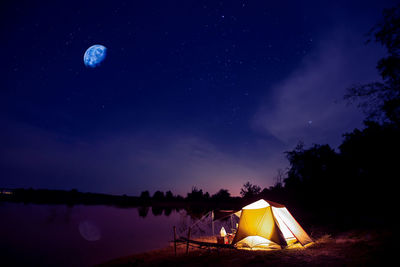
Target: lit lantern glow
(223, 232)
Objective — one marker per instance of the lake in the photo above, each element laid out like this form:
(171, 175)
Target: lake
(60, 235)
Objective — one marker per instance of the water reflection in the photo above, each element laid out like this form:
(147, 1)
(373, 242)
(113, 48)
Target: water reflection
(143, 211)
(80, 235)
(195, 212)
(157, 211)
(61, 235)
(89, 231)
(167, 211)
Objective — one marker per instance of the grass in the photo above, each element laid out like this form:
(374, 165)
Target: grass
(354, 248)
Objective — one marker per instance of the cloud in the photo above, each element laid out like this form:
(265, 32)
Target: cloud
(308, 104)
(124, 163)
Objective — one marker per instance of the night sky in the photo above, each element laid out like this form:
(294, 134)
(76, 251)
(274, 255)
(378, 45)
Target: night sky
(191, 93)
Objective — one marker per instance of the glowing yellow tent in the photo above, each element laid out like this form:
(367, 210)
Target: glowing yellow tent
(264, 225)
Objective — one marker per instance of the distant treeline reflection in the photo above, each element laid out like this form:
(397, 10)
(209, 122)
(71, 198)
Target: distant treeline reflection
(156, 211)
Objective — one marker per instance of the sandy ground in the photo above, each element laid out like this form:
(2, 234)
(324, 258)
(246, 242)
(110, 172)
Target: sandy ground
(355, 248)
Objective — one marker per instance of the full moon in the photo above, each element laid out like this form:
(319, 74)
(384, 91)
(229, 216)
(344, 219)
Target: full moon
(94, 55)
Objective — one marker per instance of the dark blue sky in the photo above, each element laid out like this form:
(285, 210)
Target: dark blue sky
(192, 93)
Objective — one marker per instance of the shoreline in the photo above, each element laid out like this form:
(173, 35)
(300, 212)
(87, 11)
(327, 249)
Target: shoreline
(357, 247)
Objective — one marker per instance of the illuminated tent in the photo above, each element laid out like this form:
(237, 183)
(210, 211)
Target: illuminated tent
(264, 225)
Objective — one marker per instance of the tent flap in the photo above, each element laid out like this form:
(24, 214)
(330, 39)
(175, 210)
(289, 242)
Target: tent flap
(259, 222)
(293, 226)
(263, 224)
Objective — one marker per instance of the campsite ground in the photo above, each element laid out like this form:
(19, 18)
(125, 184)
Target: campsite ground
(353, 248)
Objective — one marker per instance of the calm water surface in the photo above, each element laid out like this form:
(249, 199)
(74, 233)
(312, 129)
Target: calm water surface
(59, 235)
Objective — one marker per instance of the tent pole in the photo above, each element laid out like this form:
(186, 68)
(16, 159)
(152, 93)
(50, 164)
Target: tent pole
(175, 239)
(187, 244)
(212, 221)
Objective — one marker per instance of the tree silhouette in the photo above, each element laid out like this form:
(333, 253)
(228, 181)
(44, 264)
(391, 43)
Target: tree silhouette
(143, 211)
(145, 195)
(196, 194)
(249, 190)
(380, 101)
(222, 195)
(313, 175)
(158, 196)
(169, 196)
(279, 178)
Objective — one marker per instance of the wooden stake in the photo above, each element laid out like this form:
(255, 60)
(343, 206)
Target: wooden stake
(175, 239)
(232, 226)
(187, 244)
(212, 222)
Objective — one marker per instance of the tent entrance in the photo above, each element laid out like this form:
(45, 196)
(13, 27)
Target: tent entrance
(255, 242)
